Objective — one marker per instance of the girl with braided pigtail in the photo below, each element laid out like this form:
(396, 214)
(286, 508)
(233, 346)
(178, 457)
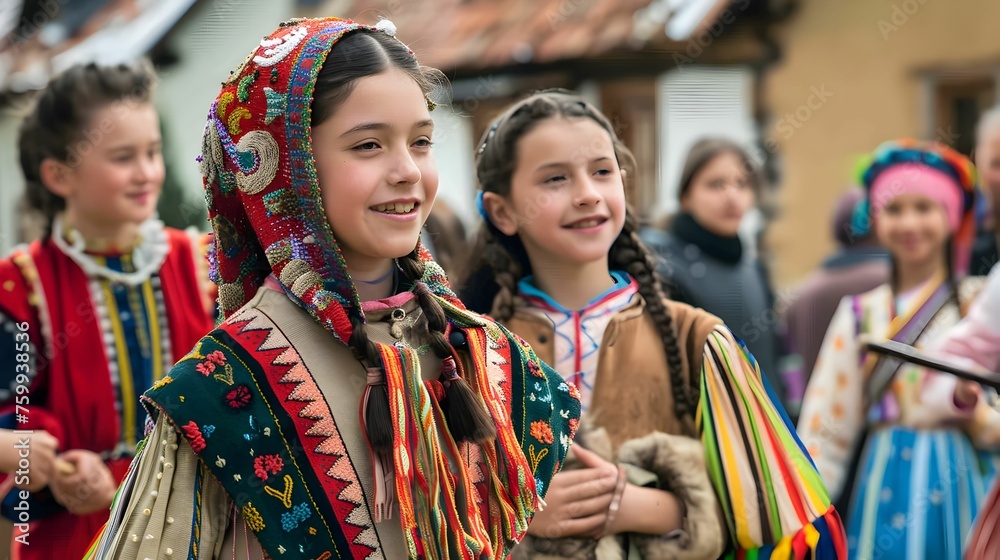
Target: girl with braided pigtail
(684, 451)
(349, 406)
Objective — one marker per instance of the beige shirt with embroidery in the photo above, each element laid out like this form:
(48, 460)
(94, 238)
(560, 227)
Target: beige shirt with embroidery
(152, 517)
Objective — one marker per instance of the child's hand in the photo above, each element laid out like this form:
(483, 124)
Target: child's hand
(577, 501)
(967, 394)
(41, 459)
(89, 488)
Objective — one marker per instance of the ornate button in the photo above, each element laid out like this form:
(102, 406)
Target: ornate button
(396, 319)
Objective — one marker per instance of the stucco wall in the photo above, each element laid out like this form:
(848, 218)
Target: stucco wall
(851, 73)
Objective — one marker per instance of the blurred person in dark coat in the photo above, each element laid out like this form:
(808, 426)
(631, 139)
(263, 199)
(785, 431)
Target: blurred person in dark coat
(857, 266)
(702, 259)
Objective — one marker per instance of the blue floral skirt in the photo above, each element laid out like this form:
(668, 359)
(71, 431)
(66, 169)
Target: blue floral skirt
(917, 495)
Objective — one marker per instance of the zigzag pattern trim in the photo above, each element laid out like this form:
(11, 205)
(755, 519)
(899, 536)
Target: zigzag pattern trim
(316, 409)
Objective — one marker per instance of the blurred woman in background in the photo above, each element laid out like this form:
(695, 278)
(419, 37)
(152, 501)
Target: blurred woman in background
(702, 258)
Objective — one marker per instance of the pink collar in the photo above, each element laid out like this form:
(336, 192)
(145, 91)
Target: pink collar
(397, 300)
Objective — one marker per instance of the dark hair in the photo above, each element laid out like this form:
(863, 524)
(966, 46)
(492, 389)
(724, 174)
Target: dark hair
(448, 236)
(704, 151)
(364, 53)
(499, 261)
(842, 220)
(358, 55)
(55, 126)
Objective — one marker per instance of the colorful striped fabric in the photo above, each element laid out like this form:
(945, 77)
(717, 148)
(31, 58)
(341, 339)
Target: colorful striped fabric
(771, 494)
(248, 406)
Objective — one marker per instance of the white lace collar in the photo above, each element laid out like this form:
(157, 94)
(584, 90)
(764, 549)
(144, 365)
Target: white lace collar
(148, 256)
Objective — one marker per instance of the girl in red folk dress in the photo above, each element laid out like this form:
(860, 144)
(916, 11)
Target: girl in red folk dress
(102, 305)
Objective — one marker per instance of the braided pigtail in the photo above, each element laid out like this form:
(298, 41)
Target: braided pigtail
(629, 254)
(464, 410)
(953, 280)
(493, 267)
(376, 411)
(507, 274)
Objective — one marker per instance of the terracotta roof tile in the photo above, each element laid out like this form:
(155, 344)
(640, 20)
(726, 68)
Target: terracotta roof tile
(119, 30)
(475, 34)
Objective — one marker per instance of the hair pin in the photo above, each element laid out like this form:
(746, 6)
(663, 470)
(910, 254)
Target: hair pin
(481, 207)
(387, 27)
(489, 136)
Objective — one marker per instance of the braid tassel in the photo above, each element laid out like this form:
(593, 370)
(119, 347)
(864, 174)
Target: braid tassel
(377, 419)
(464, 410)
(376, 414)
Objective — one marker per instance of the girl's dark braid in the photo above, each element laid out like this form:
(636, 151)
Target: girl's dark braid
(378, 416)
(507, 272)
(953, 281)
(629, 253)
(413, 270)
(464, 410)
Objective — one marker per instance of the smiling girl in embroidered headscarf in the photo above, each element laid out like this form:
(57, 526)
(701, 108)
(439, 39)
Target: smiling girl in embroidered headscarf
(919, 481)
(349, 406)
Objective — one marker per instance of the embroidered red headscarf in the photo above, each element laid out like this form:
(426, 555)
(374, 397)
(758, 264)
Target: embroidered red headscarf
(261, 183)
